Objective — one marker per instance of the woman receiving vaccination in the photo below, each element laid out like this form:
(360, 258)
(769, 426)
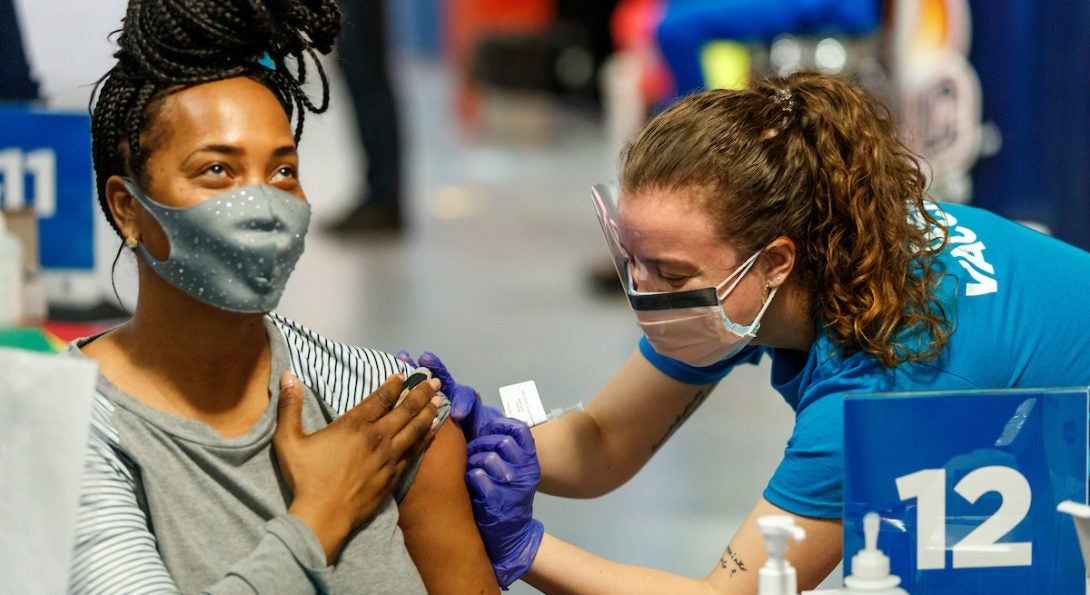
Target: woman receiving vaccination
(233, 450)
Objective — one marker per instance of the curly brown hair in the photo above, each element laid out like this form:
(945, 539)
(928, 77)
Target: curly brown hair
(814, 158)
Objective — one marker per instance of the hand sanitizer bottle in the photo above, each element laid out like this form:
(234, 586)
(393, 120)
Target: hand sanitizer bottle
(11, 277)
(777, 576)
(870, 567)
(1080, 513)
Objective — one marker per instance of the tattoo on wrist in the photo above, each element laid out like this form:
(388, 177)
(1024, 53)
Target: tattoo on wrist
(731, 561)
(697, 399)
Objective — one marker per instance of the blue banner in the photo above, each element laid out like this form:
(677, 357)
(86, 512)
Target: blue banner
(967, 485)
(45, 164)
(1032, 56)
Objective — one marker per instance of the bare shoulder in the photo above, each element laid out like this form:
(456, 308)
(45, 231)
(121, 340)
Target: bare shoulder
(437, 521)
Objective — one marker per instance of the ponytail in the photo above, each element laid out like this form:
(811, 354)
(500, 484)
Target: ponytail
(817, 159)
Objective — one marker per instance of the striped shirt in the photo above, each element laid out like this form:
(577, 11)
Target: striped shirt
(116, 549)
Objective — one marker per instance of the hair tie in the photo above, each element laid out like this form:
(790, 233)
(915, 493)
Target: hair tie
(267, 61)
(785, 100)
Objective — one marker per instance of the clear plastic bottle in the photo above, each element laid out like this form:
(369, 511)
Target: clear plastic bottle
(11, 276)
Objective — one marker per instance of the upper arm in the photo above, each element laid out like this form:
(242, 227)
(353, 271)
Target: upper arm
(809, 479)
(640, 407)
(813, 558)
(590, 453)
(114, 551)
(436, 517)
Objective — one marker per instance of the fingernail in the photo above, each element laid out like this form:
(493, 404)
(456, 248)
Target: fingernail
(436, 400)
(400, 376)
(435, 424)
(434, 382)
(287, 380)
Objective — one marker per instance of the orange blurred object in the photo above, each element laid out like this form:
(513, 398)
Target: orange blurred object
(633, 27)
(467, 21)
(68, 331)
(932, 32)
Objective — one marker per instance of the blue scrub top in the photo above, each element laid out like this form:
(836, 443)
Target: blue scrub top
(1019, 302)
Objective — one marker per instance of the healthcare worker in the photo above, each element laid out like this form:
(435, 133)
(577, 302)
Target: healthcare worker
(786, 222)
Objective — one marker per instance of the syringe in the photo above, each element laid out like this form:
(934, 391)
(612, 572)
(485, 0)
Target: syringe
(522, 401)
(560, 412)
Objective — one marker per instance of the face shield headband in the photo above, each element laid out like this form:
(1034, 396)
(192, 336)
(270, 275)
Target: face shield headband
(688, 326)
(605, 205)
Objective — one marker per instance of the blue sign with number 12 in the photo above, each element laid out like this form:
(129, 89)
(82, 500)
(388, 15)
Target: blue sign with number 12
(967, 485)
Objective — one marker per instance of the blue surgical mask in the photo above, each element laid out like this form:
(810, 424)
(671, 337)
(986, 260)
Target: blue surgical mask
(235, 250)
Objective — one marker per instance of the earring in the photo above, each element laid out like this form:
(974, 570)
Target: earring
(130, 243)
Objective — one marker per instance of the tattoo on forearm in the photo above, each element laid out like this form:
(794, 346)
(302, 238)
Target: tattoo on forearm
(698, 398)
(730, 561)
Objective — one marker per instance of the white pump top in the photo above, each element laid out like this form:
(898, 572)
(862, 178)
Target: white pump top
(870, 567)
(777, 576)
(1080, 513)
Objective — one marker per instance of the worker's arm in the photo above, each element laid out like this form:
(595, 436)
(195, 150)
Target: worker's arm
(563, 568)
(502, 477)
(589, 453)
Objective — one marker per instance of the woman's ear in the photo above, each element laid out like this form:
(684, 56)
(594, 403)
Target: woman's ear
(123, 208)
(779, 260)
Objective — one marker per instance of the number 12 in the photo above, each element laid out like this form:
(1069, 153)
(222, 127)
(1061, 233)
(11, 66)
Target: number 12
(978, 549)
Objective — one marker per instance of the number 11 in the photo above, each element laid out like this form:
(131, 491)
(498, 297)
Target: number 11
(42, 165)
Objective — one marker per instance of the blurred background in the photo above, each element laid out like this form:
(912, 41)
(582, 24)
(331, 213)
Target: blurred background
(450, 186)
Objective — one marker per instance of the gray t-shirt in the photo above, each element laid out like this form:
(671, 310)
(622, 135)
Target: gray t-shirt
(217, 507)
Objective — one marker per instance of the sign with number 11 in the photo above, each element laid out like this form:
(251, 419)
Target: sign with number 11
(45, 165)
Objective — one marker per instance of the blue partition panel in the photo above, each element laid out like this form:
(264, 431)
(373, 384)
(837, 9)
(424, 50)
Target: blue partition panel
(967, 485)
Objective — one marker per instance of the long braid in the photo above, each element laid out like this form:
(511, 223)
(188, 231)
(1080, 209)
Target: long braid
(165, 45)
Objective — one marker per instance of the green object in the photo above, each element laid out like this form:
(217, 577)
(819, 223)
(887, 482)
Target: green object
(726, 65)
(29, 338)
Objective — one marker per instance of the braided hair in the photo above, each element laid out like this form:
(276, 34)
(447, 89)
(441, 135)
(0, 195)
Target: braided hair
(168, 45)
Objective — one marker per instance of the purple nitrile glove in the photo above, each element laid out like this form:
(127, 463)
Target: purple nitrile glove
(502, 478)
(466, 407)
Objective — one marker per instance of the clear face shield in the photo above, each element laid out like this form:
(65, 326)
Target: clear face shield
(688, 325)
(629, 268)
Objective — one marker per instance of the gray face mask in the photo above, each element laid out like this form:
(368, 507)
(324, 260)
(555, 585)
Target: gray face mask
(235, 250)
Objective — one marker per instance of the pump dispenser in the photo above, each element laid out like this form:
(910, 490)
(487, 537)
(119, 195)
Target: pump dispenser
(777, 576)
(870, 567)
